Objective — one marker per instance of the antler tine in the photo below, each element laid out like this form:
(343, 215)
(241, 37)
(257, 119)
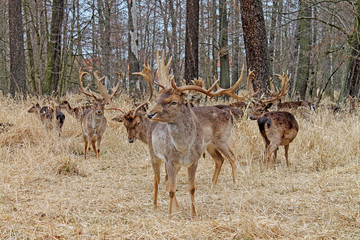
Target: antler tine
(285, 80)
(105, 95)
(82, 89)
(163, 70)
(230, 91)
(147, 74)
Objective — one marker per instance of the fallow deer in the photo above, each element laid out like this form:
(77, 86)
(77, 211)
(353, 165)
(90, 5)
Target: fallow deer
(179, 138)
(46, 115)
(93, 121)
(278, 128)
(76, 112)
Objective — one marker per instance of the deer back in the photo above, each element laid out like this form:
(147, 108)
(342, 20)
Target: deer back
(279, 126)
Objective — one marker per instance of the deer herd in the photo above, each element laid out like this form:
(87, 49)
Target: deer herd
(177, 132)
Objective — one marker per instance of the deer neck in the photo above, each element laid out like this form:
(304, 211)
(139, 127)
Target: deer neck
(185, 131)
(145, 135)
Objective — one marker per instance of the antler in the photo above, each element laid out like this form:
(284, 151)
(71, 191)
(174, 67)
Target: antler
(82, 89)
(163, 70)
(285, 81)
(148, 75)
(230, 91)
(104, 93)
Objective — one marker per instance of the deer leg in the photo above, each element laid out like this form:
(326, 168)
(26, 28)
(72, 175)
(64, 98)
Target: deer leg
(171, 183)
(98, 145)
(93, 141)
(270, 150)
(287, 154)
(191, 175)
(86, 145)
(219, 160)
(231, 157)
(156, 162)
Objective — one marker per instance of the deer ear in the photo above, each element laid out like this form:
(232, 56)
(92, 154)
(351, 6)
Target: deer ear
(117, 119)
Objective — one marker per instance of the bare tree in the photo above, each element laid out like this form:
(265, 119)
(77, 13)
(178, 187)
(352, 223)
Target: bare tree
(257, 53)
(303, 72)
(17, 54)
(52, 77)
(224, 45)
(192, 40)
(134, 65)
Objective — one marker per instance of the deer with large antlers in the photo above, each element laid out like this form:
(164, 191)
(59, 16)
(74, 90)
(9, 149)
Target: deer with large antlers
(93, 121)
(180, 138)
(278, 128)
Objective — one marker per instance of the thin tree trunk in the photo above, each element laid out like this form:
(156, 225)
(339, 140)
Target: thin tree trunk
(132, 46)
(192, 40)
(224, 46)
(52, 77)
(17, 52)
(303, 72)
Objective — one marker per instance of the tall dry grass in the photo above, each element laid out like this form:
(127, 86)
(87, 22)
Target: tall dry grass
(48, 190)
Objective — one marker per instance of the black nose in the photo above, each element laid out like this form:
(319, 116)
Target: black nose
(151, 115)
(98, 111)
(131, 140)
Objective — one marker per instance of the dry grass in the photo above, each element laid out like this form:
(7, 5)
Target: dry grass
(48, 191)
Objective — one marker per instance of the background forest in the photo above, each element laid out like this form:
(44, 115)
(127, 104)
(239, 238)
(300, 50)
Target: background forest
(316, 41)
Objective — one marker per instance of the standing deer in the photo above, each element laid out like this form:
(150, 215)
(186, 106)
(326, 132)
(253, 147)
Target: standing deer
(278, 128)
(217, 126)
(46, 115)
(179, 138)
(93, 121)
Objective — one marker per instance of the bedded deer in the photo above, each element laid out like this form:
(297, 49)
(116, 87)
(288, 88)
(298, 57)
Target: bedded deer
(93, 121)
(278, 128)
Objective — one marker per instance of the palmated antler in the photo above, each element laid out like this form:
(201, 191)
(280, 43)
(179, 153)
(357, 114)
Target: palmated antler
(148, 75)
(82, 89)
(163, 70)
(104, 93)
(285, 81)
(230, 91)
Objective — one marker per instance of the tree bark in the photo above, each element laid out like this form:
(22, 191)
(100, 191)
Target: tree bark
(17, 54)
(224, 46)
(134, 65)
(353, 77)
(303, 72)
(52, 77)
(192, 40)
(257, 53)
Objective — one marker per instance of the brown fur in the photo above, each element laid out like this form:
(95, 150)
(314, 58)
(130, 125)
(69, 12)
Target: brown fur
(277, 128)
(178, 140)
(46, 116)
(76, 112)
(93, 125)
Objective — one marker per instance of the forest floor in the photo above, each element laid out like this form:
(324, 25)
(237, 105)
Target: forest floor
(48, 190)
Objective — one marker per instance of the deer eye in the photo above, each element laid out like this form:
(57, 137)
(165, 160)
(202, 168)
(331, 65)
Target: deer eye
(173, 103)
(138, 123)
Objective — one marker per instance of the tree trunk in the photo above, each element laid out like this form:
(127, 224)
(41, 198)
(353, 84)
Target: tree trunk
(257, 53)
(132, 47)
(353, 77)
(303, 72)
(213, 40)
(17, 54)
(52, 77)
(224, 46)
(236, 42)
(192, 40)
